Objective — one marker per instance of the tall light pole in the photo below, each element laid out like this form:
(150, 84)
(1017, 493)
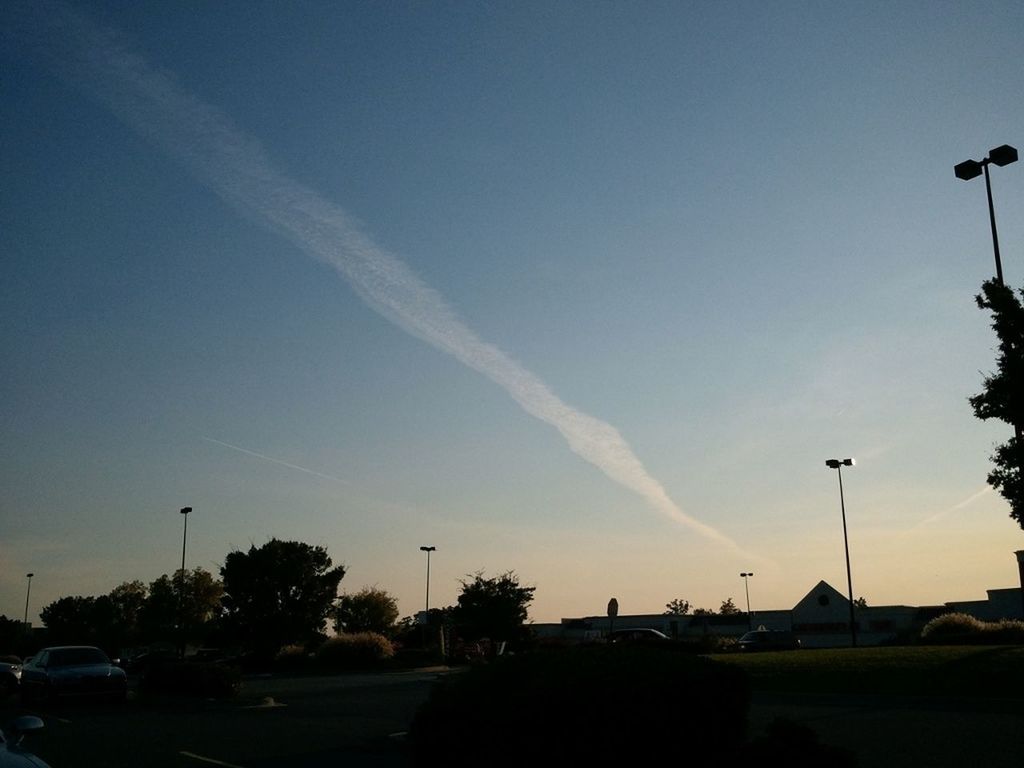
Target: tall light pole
(837, 465)
(746, 587)
(181, 590)
(970, 169)
(28, 591)
(428, 550)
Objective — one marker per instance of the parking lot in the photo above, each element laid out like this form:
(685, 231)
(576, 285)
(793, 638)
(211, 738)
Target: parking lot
(275, 722)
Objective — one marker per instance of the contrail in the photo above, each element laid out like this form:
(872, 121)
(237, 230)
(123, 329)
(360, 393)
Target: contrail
(984, 491)
(235, 166)
(275, 461)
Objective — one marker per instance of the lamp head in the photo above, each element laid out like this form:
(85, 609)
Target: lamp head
(427, 549)
(1003, 155)
(186, 510)
(837, 463)
(967, 170)
(744, 575)
(29, 575)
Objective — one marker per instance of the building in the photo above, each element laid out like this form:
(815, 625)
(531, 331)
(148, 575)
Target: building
(821, 619)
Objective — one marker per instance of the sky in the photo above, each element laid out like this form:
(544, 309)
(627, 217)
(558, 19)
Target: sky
(587, 291)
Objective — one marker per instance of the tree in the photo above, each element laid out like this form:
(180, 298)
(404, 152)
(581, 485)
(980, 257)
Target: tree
(1003, 397)
(280, 593)
(677, 607)
(70, 620)
(860, 602)
(728, 608)
(494, 608)
(368, 610)
(127, 601)
(703, 612)
(183, 606)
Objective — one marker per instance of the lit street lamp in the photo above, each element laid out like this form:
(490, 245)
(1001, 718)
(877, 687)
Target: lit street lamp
(428, 550)
(28, 591)
(837, 465)
(746, 587)
(970, 169)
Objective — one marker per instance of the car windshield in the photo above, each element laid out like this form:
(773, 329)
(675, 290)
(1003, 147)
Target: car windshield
(70, 657)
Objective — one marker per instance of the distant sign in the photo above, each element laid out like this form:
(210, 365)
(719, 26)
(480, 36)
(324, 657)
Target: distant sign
(613, 608)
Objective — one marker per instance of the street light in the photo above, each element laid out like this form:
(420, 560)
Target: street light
(970, 169)
(28, 591)
(837, 465)
(428, 550)
(746, 587)
(181, 591)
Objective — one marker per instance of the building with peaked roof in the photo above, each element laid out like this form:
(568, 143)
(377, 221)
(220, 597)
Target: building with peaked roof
(821, 619)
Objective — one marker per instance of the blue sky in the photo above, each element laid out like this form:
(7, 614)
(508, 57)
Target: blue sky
(588, 291)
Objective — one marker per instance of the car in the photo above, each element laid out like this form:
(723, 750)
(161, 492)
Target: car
(762, 639)
(637, 635)
(10, 674)
(72, 670)
(12, 755)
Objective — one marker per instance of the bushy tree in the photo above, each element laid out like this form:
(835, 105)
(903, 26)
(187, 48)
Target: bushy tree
(677, 607)
(70, 620)
(368, 610)
(279, 593)
(1003, 397)
(728, 608)
(182, 606)
(495, 608)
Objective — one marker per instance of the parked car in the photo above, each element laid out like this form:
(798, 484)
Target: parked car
(72, 670)
(10, 674)
(769, 640)
(637, 635)
(12, 755)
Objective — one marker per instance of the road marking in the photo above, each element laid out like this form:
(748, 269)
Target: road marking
(267, 703)
(209, 760)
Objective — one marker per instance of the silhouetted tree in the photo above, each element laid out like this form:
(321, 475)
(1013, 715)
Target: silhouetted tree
(70, 620)
(278, 594)
(860, 602)
(368, 610)
(728, 608)
(179, 608)
(127, 601)
(1003, 397)
(12, 633)
(703, 612)
(677, 607)
(495, 608)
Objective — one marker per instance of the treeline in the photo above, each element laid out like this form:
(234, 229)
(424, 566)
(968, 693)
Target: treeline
(283, 594)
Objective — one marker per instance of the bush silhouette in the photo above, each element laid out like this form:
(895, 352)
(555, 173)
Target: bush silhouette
(355, 651)
(592, 704)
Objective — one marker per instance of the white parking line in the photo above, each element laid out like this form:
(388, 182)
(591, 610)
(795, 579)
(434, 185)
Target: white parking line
(209, 760)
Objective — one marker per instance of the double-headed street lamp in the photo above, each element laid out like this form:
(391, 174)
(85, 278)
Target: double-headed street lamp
(746, 587)
(970, 169)
(838, 464)
(428, 550)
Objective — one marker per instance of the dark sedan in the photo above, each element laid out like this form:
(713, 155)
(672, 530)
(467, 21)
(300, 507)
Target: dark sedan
(72, 670)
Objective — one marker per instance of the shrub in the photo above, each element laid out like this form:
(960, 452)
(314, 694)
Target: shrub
(191, 678)
(291, 657)
(590, 704)
(964, 629)
(355, 651)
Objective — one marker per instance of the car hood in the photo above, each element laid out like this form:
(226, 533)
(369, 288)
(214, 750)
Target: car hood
(86, 670)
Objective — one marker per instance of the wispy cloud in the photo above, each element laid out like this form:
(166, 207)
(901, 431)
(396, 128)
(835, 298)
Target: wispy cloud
(235, 165)
(980, 493)
(275, 461)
